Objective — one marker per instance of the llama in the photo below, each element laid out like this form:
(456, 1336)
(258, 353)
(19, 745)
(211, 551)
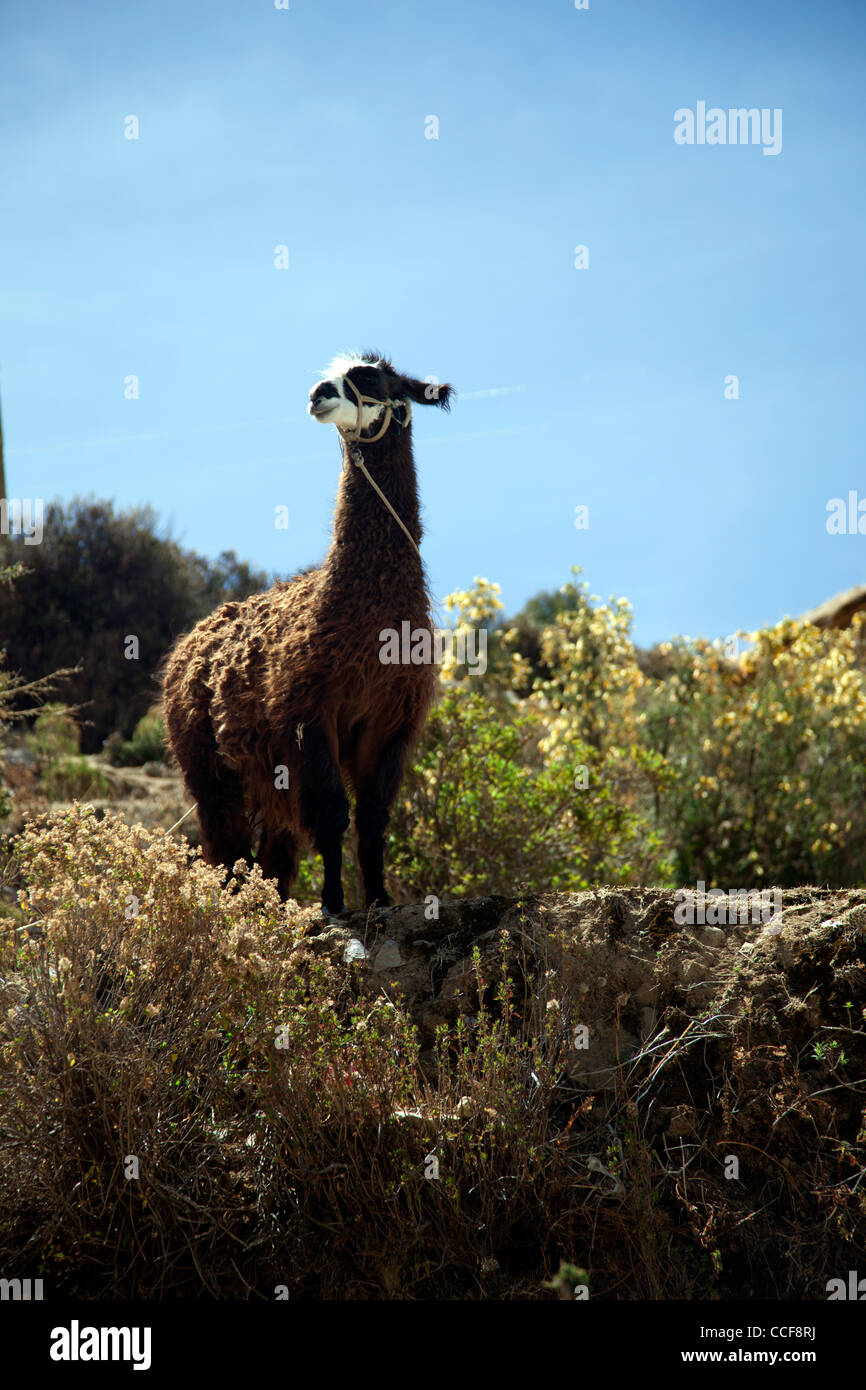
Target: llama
(273, 705)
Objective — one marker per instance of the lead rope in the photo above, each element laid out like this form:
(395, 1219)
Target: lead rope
(354, 436)
(358, 459)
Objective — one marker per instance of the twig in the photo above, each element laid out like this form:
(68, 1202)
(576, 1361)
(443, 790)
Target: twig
(182, 819)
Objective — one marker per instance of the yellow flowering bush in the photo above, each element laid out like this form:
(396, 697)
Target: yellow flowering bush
(532, 781)
(568, 762)
(767, 754)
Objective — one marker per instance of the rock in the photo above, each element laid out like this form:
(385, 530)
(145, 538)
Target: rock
(388, 957)
(693, 970)
(19, 757)
(579, 964)
(839, 610)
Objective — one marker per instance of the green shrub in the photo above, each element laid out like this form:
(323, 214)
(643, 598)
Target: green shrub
(55, 739)
(484, 810)
(147, 745)
(54, 735)
(76, 777)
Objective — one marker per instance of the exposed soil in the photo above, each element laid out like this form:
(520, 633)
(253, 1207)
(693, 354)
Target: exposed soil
(721, 1069)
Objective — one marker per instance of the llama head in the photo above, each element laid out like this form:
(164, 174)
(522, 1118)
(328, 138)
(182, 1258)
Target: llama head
(334, 402)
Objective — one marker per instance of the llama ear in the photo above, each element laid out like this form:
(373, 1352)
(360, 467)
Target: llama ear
(430, 392)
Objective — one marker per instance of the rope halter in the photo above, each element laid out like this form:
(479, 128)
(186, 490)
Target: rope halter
(354, 436)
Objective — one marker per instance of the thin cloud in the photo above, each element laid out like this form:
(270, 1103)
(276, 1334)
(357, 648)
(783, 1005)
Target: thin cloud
(160, 436)
(427, 439)
(190, 433)
(490, 391)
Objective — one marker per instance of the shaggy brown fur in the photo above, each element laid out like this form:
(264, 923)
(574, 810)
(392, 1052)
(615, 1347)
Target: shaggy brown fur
(291, 679)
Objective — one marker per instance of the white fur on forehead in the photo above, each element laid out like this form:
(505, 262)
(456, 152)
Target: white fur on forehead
(344, 361)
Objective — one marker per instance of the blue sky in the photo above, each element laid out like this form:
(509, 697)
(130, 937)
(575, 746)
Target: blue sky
(602, 386)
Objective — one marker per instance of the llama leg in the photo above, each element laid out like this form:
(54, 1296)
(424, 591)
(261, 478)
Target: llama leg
(224, 827)
(376, 791)
(325, 812)
(278, 857)
(218, 793)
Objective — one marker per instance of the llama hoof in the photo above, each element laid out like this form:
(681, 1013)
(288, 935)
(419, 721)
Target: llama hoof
(334, 913)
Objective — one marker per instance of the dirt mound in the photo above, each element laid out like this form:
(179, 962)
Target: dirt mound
(717, 1063)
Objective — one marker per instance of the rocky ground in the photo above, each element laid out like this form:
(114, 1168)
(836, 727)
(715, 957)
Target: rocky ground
(719, 1066)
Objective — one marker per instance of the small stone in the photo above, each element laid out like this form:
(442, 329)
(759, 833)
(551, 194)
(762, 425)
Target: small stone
(354, 950)
(692, 970)
(388, 957)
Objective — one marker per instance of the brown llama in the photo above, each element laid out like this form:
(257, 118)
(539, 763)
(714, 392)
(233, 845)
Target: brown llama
(275, 704)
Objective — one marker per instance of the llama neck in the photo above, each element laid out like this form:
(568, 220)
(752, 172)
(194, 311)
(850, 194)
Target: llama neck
(367, 540)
